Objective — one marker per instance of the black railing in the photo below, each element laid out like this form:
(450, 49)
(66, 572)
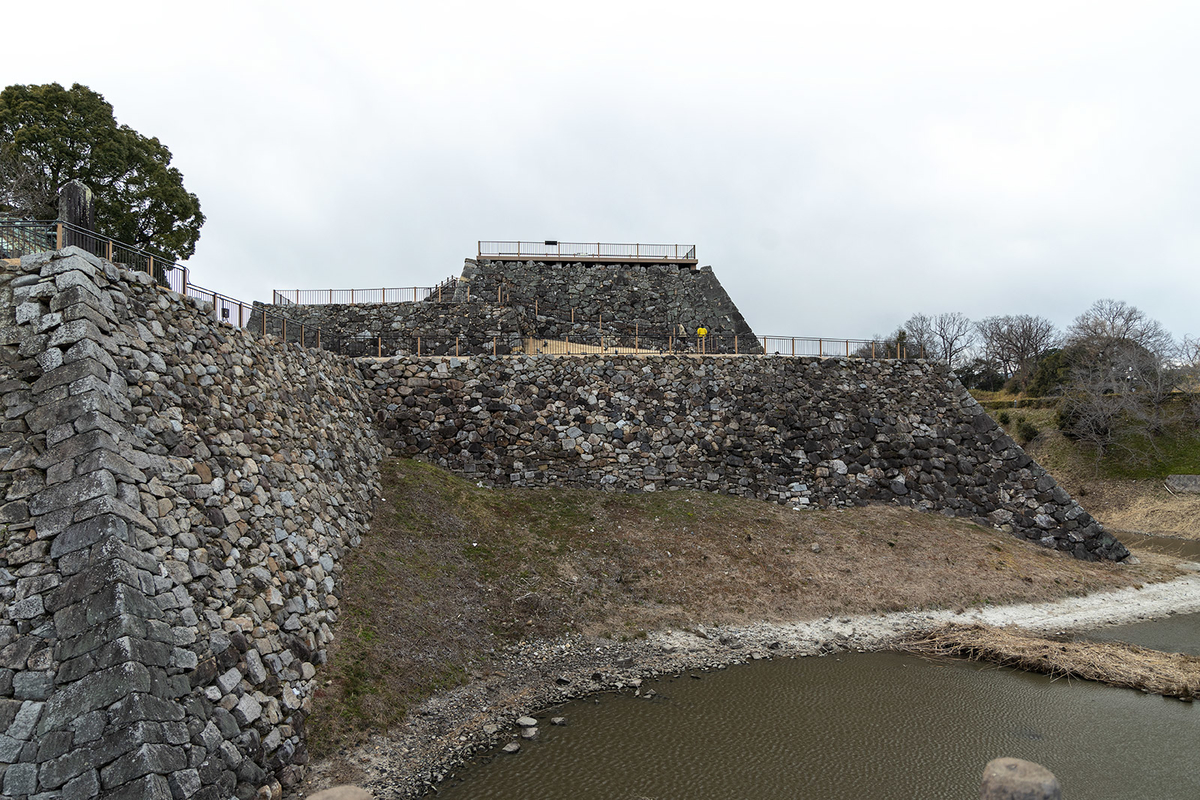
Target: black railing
(590, 251)
(26, 237)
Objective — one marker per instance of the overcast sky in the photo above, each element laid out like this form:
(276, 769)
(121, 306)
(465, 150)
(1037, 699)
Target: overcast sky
(840, 165)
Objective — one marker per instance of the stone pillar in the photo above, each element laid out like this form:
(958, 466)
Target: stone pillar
(1014, 779)
(76, 207)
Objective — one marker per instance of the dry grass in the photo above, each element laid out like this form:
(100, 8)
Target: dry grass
(1114, 663)
(451, 573)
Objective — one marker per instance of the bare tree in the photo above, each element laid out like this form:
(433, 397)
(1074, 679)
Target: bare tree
(920, 339)
(954, 334)
(1014, 343)
(1110, 322)
(1124, 367)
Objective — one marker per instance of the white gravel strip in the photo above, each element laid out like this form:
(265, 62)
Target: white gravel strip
(871, 632)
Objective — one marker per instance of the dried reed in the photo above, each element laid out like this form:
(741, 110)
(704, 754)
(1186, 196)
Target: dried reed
(1114, 663)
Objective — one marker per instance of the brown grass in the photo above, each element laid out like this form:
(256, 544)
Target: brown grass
(451, 573)
(1114, 663)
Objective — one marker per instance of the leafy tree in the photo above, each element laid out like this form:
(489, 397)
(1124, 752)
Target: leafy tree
(979, 373)
(49, 135)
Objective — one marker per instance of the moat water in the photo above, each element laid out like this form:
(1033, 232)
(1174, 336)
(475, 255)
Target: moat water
(870, 725)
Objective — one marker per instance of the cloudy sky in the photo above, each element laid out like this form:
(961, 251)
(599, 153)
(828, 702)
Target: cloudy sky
(840, 165)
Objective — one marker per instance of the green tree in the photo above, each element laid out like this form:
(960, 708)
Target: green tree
(49, 135)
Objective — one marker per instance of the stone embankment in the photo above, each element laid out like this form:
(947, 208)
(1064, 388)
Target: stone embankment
(432, 328)
(804, 431)
(496, 305)
(177, 495)
(575, 300)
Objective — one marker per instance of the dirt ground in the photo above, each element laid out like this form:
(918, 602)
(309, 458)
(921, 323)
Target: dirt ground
(454, 578)
(1142, 506)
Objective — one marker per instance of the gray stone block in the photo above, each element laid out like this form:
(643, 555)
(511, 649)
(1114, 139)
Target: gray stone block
(184, 783)
(149, 759)
(54, 774)
(33, 685)
(229, 680)
(149, 787)
(74, 492)
(84, 787)
(143, 706)
(20, 779)
(93, 692)
(25, 721)
(86, 534)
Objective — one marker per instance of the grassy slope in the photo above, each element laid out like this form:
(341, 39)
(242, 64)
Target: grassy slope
(451, 574)
(1124, 490)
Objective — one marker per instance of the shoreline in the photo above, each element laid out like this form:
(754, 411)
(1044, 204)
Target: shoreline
(532, 677)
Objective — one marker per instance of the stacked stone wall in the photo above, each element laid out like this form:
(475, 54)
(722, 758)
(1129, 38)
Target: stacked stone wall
(449, 328)
(804, 431)
(495, 305)
(177, 495)
(581, 301)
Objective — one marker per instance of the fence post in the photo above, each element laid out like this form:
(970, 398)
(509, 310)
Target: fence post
(185, 281)
(302, 334)
(351, 297)
(793, 345)
(59, 236)
(455, 345)
(379, 346)
(264, 321)
(318, 338)
(847, 348)
(151, 269)
(635, 335)
(418, 346)
(493, 345)
(109, 250)
(285, 330)
(735, 350)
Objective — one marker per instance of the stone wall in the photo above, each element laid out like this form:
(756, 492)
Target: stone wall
(447, 328)
(177, 495)
(803, 431)
(575, 300)
(496, 304)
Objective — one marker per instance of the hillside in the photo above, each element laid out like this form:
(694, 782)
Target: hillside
(1124, 490)
(453, 579)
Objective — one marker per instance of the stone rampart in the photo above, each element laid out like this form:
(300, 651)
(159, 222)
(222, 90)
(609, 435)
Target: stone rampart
(432, 328)
(804, 431)
(177, 497)
(177, 494)
(495, 305)
(581, 300)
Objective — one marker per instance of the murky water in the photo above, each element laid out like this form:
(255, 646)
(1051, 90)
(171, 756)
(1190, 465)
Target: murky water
(876, 725)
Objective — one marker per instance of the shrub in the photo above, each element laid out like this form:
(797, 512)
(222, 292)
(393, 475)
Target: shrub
(1026, 431)
(1003, 418)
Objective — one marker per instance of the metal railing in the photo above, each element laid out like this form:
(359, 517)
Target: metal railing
(834, 348)
(587, 250)
(352, 297)
(26, 237)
